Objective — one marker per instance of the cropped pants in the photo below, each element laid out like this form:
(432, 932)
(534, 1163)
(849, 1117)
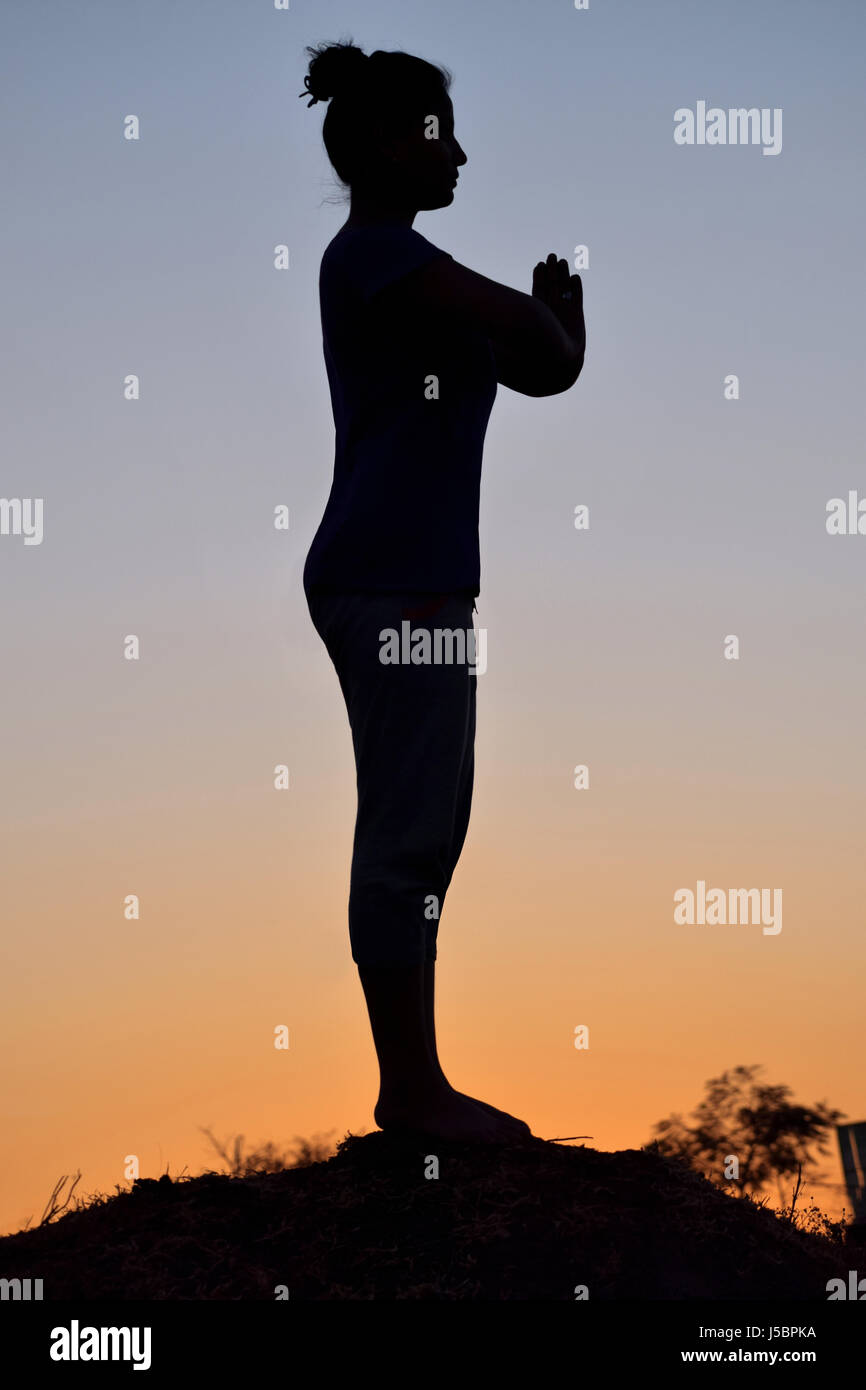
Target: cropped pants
(413, 732)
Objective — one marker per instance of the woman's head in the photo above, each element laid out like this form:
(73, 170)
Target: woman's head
(389, 128)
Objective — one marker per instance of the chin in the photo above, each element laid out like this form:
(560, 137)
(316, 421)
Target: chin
(443, 199)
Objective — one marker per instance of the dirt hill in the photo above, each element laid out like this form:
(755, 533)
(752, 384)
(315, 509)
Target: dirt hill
(529, 1222)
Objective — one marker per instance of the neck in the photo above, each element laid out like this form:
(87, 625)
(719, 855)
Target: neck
(367, 209)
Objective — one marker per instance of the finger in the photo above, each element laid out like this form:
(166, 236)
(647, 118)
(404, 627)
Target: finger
(541, 286)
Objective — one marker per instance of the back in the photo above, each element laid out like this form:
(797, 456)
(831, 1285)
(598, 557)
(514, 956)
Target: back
(402, 513)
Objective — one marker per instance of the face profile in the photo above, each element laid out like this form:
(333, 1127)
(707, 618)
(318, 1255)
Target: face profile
(435, 162)
(418, 169)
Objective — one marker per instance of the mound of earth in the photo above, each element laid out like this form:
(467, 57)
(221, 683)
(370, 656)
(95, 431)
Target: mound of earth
(535, 1221)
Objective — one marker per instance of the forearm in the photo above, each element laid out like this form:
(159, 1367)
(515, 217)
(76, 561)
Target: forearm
(544, 369)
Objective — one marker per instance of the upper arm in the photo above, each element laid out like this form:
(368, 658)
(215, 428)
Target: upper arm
(445, 289)
(532, 351)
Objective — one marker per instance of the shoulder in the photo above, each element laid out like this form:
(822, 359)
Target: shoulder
(371, 257)
(352, 242)
(361, 233)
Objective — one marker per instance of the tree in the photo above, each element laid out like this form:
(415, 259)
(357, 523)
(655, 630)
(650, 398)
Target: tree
(741, 1118)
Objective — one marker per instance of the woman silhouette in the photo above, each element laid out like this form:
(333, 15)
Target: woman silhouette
(414, 347)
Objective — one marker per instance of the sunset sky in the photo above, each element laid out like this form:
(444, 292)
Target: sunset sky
(605, 646)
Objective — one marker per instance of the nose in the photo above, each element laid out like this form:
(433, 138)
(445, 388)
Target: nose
(460, 157)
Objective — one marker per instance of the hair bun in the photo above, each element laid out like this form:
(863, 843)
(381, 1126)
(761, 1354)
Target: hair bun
(334, 69)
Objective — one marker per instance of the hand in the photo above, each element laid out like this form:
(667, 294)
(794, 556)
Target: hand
(563, 295)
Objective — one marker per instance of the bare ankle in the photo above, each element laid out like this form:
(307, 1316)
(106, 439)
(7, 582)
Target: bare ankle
(409, 1090)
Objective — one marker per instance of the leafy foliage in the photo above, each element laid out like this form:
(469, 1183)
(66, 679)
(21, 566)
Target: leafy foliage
(742, 1117)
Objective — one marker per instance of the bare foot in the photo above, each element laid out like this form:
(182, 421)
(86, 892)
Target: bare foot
(447, 1114)
(518, 1126)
